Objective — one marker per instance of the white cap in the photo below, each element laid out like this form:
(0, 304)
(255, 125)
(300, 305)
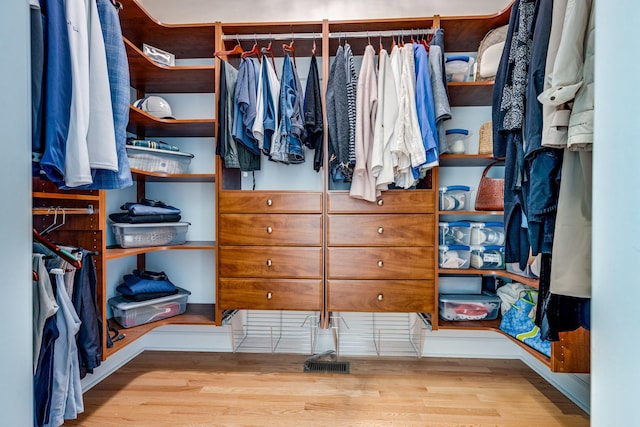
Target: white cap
(156, 106)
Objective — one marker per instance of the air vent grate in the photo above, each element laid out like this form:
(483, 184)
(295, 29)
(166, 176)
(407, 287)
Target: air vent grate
(326, 362)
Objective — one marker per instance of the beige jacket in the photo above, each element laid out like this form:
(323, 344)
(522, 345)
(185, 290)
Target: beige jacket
(568, 97)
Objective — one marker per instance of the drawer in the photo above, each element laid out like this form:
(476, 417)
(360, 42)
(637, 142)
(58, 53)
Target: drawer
(391, 201)
(409, 296)
(270, 229)
(268, 262)
(381, 263)
(381, 230)
(269, 201)
(273, 294)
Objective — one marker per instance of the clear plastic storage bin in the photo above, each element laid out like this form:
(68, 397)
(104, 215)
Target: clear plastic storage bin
(454, 256)
(457, 141)
(485, 306)
(487, 234)
(454, 233)
(467, 284)
(152, 234)
(459, 68)
(455, 198)
(158, 161)
(487, 257)
(133, 313)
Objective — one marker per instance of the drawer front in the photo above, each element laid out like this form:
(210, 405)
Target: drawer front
(392, 201)
(269, 201)
(273, 294)
(381, 295)
(270, 262)
(381, 263)
(381, 230)
(265, 229)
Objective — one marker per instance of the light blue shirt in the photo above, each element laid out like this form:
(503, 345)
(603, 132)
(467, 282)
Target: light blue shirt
(424, 105)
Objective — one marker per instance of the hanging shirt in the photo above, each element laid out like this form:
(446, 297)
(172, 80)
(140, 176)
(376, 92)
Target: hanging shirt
(424, 106)
(337, 119)
(258, 124)
(44, 304)
(386, 117)
(352, 84)
(440, 97)
(399, 152)
(119, 83)
(101, 138)
(58, 87)
(313, 114)
(288, 146)
(270, 118)
(245, 105)
(363, 185)
(226, 145)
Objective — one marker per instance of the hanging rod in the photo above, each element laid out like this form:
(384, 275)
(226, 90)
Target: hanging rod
(279, 36)
(385, 33)
(89, 210)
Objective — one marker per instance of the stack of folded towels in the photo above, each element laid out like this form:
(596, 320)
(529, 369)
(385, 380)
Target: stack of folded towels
(146, 211)
(143, 285)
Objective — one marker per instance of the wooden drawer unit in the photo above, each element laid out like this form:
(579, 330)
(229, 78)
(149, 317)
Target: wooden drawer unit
(380, 263)
(392, 201)
(270, 229)
(380, 230)
(271, 294)
(270, 262)
(270, 202)
(381, 295)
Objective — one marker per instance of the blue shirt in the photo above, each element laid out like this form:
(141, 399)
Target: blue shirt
(424, 104)
(245, 105)
(57, 96)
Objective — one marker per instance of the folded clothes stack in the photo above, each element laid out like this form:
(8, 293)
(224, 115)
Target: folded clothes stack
(146, 211)
(147, 143)
(143, 285)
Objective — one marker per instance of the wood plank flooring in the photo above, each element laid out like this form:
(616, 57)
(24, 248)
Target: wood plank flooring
(224, 389)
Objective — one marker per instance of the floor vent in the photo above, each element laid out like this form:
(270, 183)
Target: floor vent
(326, 362)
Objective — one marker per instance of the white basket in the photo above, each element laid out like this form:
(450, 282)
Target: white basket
(158, 161)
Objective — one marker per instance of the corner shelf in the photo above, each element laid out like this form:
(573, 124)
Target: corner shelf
(501, 273)
(466, 159)
(195, 314)
(470, 94)
(148, 76)
(146, 125)
(196, 245)
(140, 175)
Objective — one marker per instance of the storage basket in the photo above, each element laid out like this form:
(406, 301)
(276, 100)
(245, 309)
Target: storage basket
(485, 144)
(150, 234)
(133, 313)
(158, 161)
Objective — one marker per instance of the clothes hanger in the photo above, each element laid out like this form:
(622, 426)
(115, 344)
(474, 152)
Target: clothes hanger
(269, 51)
(290, 48)
(313, 46)
(62, 253)
(254, 51)
(117, 5)
(237, 50)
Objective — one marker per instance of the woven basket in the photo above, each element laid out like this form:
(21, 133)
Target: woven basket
(485, 144)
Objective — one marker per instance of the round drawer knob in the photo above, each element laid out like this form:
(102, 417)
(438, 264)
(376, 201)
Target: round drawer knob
(269, 230)
(380, 297)
(380, 263)
(380, 202)
(380, 230)
(269, 295)
(269, 263)
(269, 202)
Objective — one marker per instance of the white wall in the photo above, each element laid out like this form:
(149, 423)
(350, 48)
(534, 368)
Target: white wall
(616, 251)
(16, 393)
(191, 11)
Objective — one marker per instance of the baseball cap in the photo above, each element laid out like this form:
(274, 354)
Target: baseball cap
(156, 106)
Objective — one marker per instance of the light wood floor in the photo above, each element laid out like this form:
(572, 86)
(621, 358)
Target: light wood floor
(225, 389)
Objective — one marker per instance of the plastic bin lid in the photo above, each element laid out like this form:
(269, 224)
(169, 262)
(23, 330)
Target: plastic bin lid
(464, 58)
(454, 248)
(454, 188)
(462, 298)
(487, 248)
(149, 224)
(494, 224)
(461, 131)
(157, 151)
(121, 303)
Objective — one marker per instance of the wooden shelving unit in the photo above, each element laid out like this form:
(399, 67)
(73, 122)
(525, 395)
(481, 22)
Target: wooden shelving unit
(146, 125)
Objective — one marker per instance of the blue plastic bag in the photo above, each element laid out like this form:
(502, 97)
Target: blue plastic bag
(518, 322)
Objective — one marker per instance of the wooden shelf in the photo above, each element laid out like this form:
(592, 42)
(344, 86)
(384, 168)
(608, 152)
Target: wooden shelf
(196, 314)
(148, 76)
(466, 159)
(479, 213)
(182, 40)
(502, 273)
(470, 94)
(464, 33)
(117, 252)
(140, 175)
(145, 125)
(492, 325)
